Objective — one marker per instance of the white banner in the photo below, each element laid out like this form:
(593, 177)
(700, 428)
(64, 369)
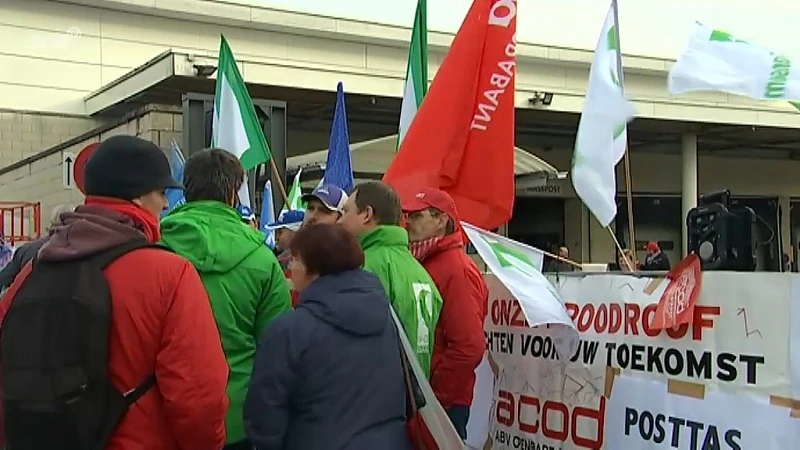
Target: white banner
(738, 345)
(714, 60)
(720, 420)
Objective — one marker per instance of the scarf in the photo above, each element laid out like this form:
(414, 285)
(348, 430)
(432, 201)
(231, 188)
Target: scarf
(422, 249)
(143, 220)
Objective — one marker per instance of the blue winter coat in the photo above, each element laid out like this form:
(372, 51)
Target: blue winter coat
(328, 375)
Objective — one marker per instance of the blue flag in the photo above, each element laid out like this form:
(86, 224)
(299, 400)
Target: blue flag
(6, 253)
(267, 215)
(176, 163)
(339, 167)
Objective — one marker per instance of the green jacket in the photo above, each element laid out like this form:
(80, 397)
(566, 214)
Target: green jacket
(410, 289)
(244, 282)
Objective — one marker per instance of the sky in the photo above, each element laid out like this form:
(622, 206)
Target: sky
(655, 28)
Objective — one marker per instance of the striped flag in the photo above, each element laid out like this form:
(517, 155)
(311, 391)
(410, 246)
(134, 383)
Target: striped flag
(416, 72)
(295, 195)
(236, 127)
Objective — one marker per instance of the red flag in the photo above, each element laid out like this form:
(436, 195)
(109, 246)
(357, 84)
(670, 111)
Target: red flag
(676, 305)
(462, 138)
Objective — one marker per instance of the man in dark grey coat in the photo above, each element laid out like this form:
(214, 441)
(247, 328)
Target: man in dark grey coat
(26, 252)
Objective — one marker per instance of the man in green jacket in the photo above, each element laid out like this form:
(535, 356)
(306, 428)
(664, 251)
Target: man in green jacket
(244, 281)
(372, 213)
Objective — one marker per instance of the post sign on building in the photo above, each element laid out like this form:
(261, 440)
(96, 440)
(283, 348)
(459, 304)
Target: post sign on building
(550, 188)
(67, 169)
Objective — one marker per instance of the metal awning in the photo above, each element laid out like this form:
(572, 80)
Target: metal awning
(374, 156)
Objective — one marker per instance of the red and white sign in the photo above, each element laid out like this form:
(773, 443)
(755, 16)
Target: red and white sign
(676, 305)
(79, 165)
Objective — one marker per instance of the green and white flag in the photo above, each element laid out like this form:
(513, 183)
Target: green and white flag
(416, 85)
(519, 268)
(602, 131)
(236, 127)
(295, 195)
(714, 60)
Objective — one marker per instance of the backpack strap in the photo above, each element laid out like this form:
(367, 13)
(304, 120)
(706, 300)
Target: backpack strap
(103, 259)
(136, 393)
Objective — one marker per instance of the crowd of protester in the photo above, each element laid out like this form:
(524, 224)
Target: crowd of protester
(216, 341)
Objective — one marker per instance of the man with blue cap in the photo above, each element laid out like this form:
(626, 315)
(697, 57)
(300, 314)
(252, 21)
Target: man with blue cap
(285, 227)
(324, 204)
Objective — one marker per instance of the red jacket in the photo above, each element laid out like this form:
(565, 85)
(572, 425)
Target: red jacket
(459, 344)
(283, 258)
(161, 323)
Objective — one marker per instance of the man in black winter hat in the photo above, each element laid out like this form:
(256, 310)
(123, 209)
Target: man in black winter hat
(132, 169)
(163, 346)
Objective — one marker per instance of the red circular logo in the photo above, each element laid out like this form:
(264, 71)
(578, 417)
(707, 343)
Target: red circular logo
(79, 164)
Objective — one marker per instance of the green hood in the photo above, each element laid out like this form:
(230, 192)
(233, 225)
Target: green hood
(384, 236)
(211, 235)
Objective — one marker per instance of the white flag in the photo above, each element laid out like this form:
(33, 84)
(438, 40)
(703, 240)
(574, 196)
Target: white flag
(519, 268)
(602, 131)
(714, 60)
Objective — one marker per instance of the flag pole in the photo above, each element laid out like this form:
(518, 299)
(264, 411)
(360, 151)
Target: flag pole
(628, 262)
(281, 187)
(562, 259)
(628, 184)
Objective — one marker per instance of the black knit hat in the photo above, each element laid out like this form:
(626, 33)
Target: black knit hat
(126, 167)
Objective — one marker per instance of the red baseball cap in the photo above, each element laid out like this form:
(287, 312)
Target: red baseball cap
(431, 198)
(652, 246)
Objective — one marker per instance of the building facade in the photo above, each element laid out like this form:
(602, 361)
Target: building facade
(73, 73)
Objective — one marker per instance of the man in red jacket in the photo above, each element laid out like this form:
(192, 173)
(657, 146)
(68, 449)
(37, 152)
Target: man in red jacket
(438, 243)
(161, 320)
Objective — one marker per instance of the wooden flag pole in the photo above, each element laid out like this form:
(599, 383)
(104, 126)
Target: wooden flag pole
(281, 187)
(562, 259)
(631, 265)
(628, 184)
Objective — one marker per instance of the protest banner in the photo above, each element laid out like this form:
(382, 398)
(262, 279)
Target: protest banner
(715, 420)
(530, 300)
(738, 343)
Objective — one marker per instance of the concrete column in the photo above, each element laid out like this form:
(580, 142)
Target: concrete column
(689, 192)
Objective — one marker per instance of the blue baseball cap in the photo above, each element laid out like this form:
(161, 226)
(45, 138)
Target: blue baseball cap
(246, 212)
(333, 197)
(288, 219)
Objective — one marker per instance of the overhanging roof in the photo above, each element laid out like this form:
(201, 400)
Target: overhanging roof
(374, 156)
(133, 83)
(167, 77)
